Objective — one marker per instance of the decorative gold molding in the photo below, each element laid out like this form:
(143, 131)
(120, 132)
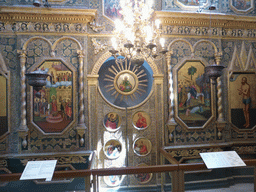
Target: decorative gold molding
(204, 20)
(65, 159)
(56, 15)
(92, 80)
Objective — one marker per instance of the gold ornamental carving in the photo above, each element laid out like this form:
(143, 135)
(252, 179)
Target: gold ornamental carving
(26, 14)
(60, 159)
(3, 163)
(98, 46)
(203, 20)
(192, 152)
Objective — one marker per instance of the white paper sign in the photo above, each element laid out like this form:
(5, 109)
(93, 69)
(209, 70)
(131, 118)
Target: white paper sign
(222, 159)
(39, 170)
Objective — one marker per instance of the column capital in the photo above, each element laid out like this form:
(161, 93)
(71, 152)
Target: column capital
(80, 53)
(22, 53)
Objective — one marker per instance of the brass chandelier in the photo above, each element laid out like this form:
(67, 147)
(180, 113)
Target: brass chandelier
(136, 35)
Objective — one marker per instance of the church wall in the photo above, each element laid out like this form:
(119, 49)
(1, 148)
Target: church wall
(81, 44)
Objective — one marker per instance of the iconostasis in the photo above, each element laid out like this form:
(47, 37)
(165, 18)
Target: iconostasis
(125, 110)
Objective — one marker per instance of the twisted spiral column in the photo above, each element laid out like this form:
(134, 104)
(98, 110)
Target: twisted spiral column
(219, 91)
(81, 127)
(23, 129)
(220, 120)
(170, 88)
(171, 121)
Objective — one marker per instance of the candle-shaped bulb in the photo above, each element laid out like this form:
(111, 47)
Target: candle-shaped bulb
(157, 23)
(114, 44)
(162, 42)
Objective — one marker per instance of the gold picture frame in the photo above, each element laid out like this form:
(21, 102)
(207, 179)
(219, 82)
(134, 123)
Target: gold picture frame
(194, 107)
(60, 103)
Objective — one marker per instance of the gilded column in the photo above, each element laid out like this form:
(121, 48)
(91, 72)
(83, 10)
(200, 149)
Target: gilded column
(220, 120)
(219, 91)
(171, 123)
(23, 129)
(81, 127)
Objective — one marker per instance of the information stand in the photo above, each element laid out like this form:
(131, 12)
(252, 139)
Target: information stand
(39, 170)
(222, 159)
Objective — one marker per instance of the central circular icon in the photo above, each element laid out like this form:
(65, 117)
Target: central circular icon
(126, 82)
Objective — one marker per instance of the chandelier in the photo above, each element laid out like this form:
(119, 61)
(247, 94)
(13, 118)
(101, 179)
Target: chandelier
(136, 35)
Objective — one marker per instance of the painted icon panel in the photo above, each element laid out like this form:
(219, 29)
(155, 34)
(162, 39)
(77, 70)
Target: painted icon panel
(143, 178)
(242, 91)
(195, 5)
(113, 180)
(53, 105)
(194, 94)
(141, 120)
(193, 2)
(122, 84)
(142, 146)
(126, 82)
(112, 149)
(112, 9)
(112, 121)
(3, 106)
(242, 6)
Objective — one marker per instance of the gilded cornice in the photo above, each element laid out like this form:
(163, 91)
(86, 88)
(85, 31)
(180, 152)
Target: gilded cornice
(52, 15)
(206, 20)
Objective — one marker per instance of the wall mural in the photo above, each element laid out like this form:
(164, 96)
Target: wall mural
(242, 91)
(195, 5)
(112, 9)
(193, 2)
(242, 6)
(123, 84)
(194, 94)
(53, 109)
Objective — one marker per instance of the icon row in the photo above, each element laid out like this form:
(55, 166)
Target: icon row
(140, 120)
(113, 148)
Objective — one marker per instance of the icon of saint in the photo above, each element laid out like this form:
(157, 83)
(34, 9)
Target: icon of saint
(245, 92)
(125, 86)
(112, 121)
(141, 122)
(140, 148)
